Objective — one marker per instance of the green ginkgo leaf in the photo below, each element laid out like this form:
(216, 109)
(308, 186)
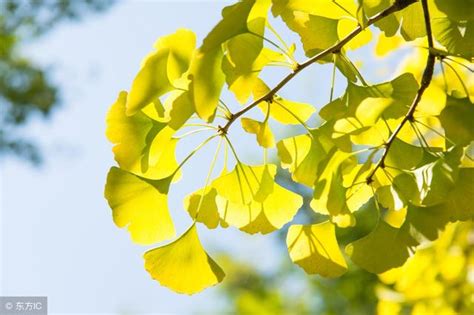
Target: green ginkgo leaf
(140, 205)
(449, 34)
(460, 206)
(160, 69)
(390, 198)
(403, 155)
(384, 248)
(457, 10)
(436, 179)
(315, 249)
(261, 130)
(183, 265)
(457, 120)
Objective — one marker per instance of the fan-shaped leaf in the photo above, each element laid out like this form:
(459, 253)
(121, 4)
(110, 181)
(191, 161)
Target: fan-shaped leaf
(315, 249)
(140, 205)
(183, 265)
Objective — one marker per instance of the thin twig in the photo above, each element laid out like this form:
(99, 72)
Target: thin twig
(425, 82)
(397, 6)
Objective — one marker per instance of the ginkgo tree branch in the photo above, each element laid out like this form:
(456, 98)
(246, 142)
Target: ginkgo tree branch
(425, 82)
(395, 7)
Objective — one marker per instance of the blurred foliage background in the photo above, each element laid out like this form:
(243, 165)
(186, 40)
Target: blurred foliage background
(26, 89)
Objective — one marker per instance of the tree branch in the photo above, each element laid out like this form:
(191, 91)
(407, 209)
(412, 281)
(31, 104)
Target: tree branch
(397, 6)
(425, 82)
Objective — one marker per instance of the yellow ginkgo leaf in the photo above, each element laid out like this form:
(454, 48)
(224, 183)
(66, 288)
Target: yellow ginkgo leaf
(140, 205)
(245, 183)
(205, 210)
(346, 26)
(242, 68)
(207, 79)
(278, 208)
(315, 249)
(261, 130)
(161, 68)
(283, 110)
(329, 195)
(385, 44)
(183, 265)
(327, 8)
(301, 156)
(143, 146)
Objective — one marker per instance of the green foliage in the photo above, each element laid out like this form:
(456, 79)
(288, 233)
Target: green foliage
(388, 165)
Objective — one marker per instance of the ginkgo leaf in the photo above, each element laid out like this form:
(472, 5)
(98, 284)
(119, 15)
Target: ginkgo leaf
(206, 74)
(253, 202)
(261, 130)
(140, 205)
(242, 184)
(457, 10)
(407, 21)
(207, 79)
(399, 91)
(429, 221)
(457, 41)
(385, 44)
(242, 71)
(306, 25)
(169, 61)
(403, 155)
(390, 198)
(142, 146)
(459, 206)
(436, 179)
(346, 26)
(457, 120)
(283, 110)
(315, 249)
(301, 155)
(205, 210)
(384, 248)
(329, 196)
(264, 217)
(183, 265)
(327, 8)
(233, 22)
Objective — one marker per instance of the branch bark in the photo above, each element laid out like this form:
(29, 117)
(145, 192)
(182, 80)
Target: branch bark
(397, 6)
(425, 82)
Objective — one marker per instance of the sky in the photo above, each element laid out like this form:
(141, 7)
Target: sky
(57, 235)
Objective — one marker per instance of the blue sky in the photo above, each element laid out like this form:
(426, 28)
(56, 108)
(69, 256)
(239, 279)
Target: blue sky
(58, 238)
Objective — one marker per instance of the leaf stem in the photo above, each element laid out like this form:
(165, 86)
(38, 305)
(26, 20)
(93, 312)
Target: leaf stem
(395, 7)
(208, 177)
(425, 82)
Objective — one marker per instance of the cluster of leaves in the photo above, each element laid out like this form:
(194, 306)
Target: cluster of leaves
(389, 165)
(436, 280)
(25, 88)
